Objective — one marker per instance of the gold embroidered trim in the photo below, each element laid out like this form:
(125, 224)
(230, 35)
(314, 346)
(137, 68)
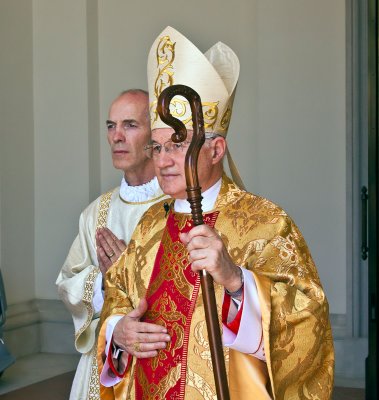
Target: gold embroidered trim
(181, 109)
(225, 120)
(103, 210)
(94, 382)
(90, 282)
(165, 58)
(137, 203)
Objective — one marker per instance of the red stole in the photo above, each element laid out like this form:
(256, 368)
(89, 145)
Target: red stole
(171, 297)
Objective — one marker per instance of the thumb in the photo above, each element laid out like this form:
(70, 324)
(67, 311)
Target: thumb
(139, 310)
(184, 238)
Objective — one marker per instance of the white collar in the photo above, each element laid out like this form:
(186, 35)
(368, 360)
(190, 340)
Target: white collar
(207, 203)
(144, 192)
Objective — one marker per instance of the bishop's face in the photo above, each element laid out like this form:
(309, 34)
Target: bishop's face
(169, 165)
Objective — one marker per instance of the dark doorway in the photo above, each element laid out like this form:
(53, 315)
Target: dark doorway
(372, 381)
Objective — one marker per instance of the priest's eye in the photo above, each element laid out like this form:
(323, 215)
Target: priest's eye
(156, 149)
(128, 125)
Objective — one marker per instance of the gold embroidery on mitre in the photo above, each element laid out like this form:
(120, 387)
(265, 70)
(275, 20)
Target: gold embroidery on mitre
(210, 114)
(181, 109)
(225, 120)
(165, 58)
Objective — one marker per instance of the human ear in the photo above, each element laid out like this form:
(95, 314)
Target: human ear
(218, 149)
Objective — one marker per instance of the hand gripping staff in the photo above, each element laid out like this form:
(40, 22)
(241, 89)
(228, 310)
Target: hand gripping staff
(194, 198)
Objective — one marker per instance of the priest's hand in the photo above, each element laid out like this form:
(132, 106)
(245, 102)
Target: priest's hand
(207, 251)
(108, 248)
(140, 339)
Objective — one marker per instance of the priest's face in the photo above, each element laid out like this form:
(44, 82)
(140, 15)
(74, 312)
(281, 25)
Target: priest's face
(128, 128)
(169, 164)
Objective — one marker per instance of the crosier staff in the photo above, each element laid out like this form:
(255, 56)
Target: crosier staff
(194, 198)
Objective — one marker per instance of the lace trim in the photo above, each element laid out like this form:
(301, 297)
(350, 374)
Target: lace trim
(140, 193)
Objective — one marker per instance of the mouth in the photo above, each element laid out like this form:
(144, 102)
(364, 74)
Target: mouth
(119, 152)
(169, 175)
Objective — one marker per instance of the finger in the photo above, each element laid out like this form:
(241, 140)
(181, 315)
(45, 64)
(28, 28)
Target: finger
(197, 231)
(200, 255)
(109, 235)
(146, 349)
(184, 238)
(120, 244)
(146, 354)
(111, 251)
(107, 241)
(151, 341)
(201, 230)
(135, 331)
(142, 347)
(128, 332)
(199, 242)
(104, 262)
(140, 310)
(199, 265)
(99, 236)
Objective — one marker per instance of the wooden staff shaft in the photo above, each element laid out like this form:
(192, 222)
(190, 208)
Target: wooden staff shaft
(194, 198)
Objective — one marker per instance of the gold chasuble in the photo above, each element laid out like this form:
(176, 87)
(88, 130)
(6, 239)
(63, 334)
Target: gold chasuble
(260, 237)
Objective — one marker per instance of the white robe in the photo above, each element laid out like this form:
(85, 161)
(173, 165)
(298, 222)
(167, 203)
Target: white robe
(80, 279)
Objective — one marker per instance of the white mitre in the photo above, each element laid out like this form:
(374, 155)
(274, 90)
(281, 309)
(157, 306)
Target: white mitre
(174, 60)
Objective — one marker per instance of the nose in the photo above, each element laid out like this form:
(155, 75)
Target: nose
(163, 159)
(118, 134)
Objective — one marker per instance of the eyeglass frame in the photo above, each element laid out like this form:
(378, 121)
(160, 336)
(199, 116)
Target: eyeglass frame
(181, 145)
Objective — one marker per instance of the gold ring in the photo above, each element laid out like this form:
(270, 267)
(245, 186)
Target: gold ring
(110, 255)
(137, 347)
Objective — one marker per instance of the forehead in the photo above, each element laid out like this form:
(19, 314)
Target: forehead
(129, 106)
(161, 135)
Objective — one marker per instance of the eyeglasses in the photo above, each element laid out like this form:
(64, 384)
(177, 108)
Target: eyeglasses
(153, 150)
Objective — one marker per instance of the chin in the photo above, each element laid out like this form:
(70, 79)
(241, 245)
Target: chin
(117, 164)
(171, 190)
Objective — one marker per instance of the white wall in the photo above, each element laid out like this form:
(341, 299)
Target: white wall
(288, 127)
(61, 133)
(16, 150)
